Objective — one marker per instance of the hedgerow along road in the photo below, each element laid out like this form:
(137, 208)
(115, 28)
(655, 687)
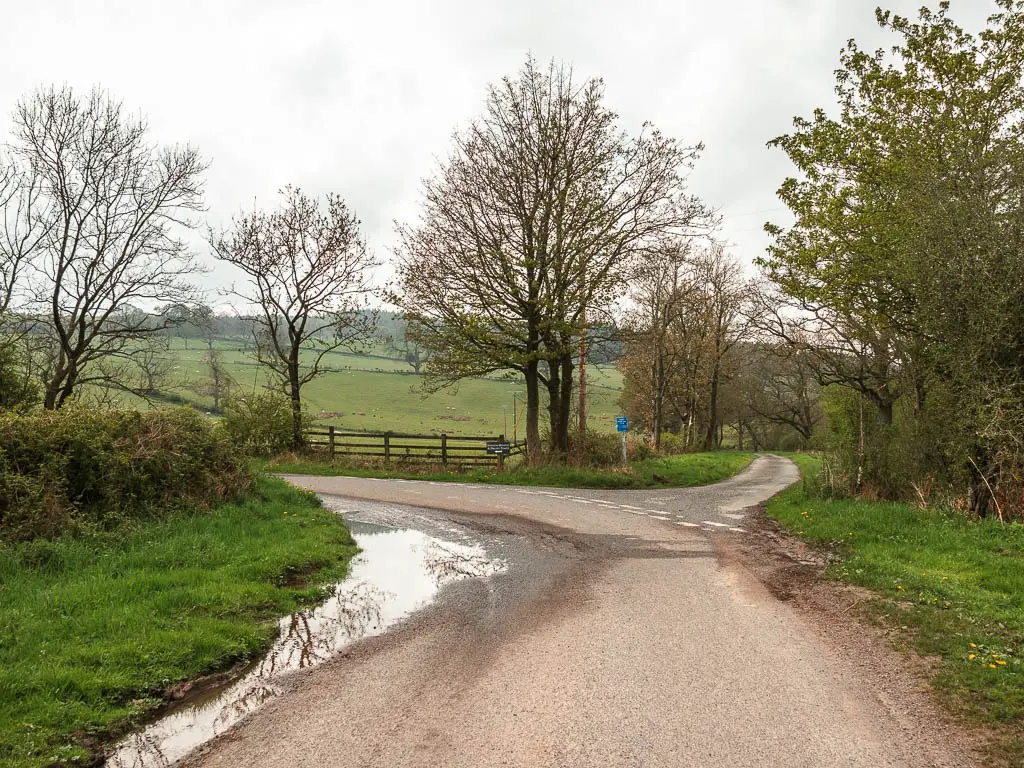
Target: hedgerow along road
(619, 639)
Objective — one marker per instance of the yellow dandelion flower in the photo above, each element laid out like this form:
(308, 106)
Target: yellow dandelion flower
(1001, 663)
(899, 587)
(971, 657)
(992, 666)
(973, 645)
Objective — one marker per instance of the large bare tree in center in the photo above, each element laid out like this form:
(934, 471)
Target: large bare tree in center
(308, 278)
(526, 232)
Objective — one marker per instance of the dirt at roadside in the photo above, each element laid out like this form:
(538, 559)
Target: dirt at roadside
(792, 572)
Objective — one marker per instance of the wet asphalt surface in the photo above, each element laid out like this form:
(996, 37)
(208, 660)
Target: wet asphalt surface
(612, 635)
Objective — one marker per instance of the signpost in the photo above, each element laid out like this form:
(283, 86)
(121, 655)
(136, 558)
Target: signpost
(622, 427)
(501, 449)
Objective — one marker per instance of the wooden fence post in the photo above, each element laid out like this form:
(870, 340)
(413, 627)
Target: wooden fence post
(387, 446)
(444, 448)
(501, 456)
(330, 434)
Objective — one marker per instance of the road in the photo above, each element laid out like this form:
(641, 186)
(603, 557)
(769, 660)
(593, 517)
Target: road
(624, 641)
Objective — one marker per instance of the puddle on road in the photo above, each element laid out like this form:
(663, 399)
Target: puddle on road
(398, 572)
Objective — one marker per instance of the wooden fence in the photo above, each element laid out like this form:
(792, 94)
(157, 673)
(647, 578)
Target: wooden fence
(396, 446)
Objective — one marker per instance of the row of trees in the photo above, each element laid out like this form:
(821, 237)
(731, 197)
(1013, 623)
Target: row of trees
(95, 261)
(699, 357)
(543, 219)
(902, 279)
(892, 305)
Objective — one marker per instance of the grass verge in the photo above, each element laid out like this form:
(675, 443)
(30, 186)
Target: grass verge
(94, 630)
(952, 586)
(681, 471)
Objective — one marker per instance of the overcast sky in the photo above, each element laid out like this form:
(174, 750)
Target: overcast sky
(361, 98)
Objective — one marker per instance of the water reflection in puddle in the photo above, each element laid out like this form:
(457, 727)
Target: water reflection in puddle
(397, 573)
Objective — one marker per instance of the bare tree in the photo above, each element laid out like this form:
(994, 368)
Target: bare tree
(405, 347)
(526, 233)
(727, 324)
(112, 209)
(843, 348)
(219, 382)
(307, 272)
(23, 223)
(664, 292)
(153, 362)
(782, 387)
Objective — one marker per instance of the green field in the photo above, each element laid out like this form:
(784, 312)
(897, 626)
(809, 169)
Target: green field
(94, 629)
(376, 393)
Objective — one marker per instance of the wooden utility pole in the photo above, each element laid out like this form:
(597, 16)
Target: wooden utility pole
(583, 384)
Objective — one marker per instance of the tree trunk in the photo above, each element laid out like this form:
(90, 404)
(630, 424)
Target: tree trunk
(294, 387)
(60, 387)
(554, 387)
(709, 436)
(583, 388)
(532, 377)
(50, 396)
(565, 407)
(885, 413)
(659, 399)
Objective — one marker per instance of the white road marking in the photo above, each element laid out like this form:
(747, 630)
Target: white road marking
(687, 525)
(717, 525)
(737, 530)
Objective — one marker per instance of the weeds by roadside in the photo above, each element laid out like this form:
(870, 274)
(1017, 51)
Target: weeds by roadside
(682, 471)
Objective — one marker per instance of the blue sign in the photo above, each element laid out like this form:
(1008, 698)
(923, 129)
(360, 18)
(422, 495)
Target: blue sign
(621, 424)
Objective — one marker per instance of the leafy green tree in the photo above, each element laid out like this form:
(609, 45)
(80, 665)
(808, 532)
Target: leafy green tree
(904, 264)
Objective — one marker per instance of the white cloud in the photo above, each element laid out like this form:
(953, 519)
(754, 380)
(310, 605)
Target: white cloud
(360, 98)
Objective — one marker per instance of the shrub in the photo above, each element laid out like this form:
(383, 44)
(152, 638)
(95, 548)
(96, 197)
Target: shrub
(259, 424)
(599, 449)
(672, 444)
(18, 390)
(77, 467)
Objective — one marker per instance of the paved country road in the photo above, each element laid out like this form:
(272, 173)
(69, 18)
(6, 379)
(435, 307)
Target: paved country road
(621, 641)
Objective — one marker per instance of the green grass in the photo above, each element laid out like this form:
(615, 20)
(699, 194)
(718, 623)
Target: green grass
(955, 585)
(93, 630)
(681, 471)
(375, 393)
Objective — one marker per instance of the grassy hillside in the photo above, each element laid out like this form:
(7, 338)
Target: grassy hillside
(374, 392)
